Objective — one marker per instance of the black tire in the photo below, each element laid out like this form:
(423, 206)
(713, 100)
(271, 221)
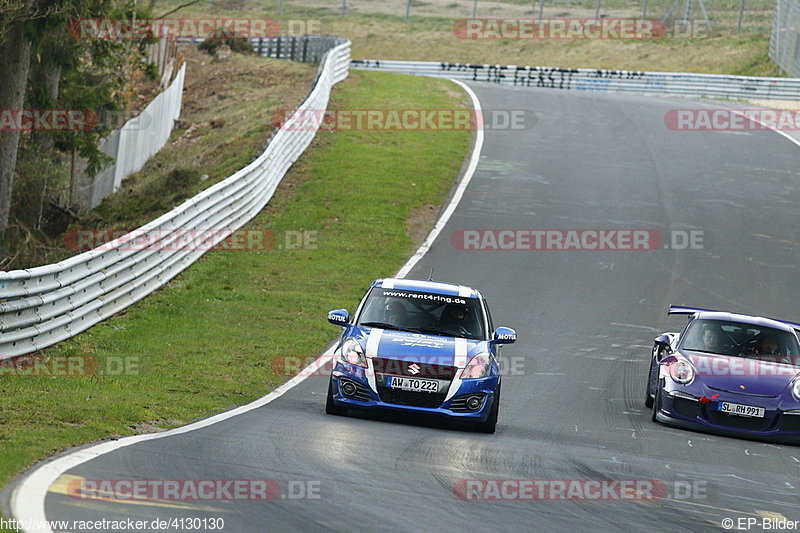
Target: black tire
(491, 422)
(330, 407)
(656, 404)
(648, 395)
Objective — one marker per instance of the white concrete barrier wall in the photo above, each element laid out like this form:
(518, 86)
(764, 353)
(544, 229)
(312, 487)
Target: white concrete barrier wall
(131, 146)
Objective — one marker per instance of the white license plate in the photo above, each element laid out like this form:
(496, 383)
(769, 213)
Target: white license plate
(741, 410)
(412, 384)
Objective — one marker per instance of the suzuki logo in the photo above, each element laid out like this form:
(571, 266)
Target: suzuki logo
(413, 369)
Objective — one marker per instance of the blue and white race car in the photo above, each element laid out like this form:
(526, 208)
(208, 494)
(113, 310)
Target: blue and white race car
(419, 346)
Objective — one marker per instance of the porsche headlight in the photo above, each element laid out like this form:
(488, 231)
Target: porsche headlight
(796, 389)
(478, 367)
(682, 372)
(353, 353)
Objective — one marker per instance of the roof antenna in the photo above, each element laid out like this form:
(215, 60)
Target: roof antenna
(430, 278)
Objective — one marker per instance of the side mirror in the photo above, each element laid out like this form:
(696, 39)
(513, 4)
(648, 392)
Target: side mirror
(504, 336)
(662, 346)
(339, 317)
(662, 341)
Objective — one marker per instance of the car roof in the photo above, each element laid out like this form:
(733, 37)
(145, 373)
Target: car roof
(744, 319)
(433, 287)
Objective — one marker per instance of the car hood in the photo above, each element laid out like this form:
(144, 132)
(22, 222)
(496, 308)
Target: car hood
(742, 375)
(418, 347)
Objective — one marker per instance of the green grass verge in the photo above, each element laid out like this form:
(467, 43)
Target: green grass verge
(208, 340)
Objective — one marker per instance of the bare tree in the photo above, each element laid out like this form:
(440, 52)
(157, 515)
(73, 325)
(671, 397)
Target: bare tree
(15, 53)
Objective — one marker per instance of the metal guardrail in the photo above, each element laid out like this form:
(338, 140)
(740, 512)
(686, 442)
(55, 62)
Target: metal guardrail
(784, 44)
(47, 304)
(303, 48)
(599, 80)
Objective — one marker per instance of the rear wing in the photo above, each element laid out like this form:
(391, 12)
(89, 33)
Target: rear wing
(795, 325)
(683, 310)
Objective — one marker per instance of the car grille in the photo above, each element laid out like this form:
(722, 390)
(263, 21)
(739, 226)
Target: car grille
(362, 393)
(418, 370)
(738, 422)
(430, 400)
(685, 407)
(790, 422)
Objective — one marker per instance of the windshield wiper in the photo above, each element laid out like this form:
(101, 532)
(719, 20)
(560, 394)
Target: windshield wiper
(430, 331)
(382, 325)
(440, 333)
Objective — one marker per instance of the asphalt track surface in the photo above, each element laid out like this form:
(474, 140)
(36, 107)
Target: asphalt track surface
(573, 406)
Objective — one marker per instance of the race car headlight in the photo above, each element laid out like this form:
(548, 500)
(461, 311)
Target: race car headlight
(478, 367)
(353, 353)
(683, 372)
(796, 389)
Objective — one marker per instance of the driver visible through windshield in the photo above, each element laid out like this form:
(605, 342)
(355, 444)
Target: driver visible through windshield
(741, 340)
(421, 312)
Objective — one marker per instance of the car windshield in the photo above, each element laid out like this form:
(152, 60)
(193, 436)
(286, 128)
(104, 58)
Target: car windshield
(421, 312)
(741, 340)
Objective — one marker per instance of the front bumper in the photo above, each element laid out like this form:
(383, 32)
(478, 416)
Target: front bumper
(682, 408)
(367, 398)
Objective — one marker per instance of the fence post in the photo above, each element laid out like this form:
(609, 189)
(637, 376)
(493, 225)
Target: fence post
(741, 14)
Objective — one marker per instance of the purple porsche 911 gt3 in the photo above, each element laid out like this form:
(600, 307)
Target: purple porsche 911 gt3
(727, 373)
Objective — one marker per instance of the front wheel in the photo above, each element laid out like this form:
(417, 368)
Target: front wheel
(648, 394)
(656, 404)
(491, 422)
(330, 407)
